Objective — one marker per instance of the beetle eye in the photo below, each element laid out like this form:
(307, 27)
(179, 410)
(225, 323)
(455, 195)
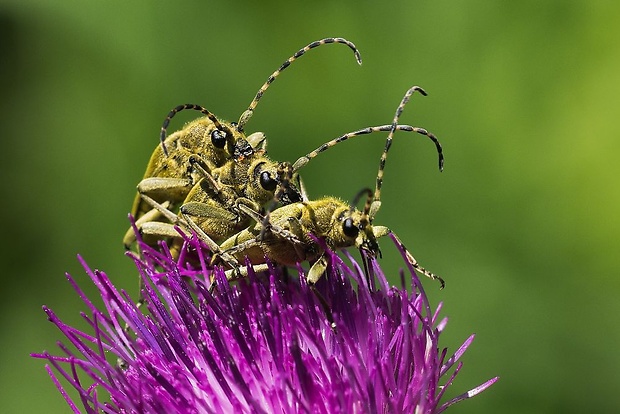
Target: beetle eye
(267, 182)
(218, 138)
(349, 228)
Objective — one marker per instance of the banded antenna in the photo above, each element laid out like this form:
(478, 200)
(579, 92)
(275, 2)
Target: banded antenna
(245, 116)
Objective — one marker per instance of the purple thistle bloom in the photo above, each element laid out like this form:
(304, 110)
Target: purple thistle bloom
(266, 344)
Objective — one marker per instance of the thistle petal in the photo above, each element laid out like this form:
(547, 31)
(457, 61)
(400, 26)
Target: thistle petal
(269, 343)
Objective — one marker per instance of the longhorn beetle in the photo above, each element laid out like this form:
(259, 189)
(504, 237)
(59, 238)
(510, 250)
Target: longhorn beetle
(212, 162)
(286, 236)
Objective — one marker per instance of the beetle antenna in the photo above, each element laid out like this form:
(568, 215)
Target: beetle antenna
(388, 143)
(368, 192)
(245, 117)
(302, 161)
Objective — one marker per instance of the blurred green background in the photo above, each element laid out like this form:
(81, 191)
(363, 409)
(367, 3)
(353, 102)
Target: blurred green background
(523, 223)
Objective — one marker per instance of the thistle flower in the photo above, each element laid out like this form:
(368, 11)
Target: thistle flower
(265, 344)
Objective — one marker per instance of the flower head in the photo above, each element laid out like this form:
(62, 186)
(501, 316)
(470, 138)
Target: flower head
(269, 343)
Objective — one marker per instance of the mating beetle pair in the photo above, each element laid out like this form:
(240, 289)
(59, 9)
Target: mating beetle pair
(243, 204)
